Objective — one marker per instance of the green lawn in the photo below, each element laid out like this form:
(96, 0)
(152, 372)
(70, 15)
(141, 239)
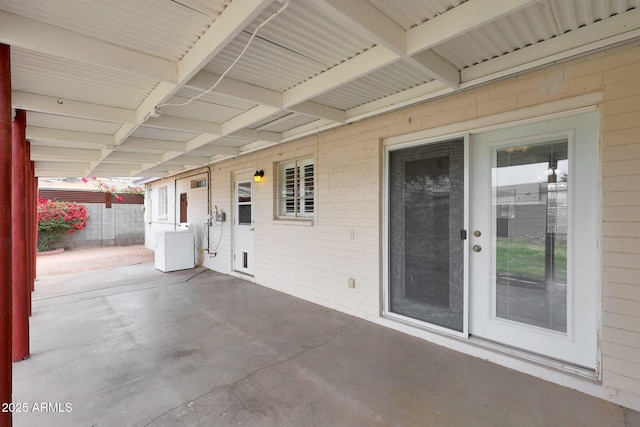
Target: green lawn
(525, 258)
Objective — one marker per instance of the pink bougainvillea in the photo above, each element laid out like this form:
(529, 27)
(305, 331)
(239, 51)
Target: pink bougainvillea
(55, 217)
(105, 188)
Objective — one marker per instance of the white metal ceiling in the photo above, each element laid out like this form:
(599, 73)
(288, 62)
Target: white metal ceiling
(100, 79)
(35, 72)
(165, 29)
(408, 14)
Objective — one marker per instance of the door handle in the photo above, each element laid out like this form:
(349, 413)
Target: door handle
(477, 248)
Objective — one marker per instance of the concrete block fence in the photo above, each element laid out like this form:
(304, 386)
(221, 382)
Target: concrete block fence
(109, 223)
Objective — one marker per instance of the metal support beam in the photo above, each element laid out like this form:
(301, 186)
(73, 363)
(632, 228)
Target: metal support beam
(5, 232)
(21, 288)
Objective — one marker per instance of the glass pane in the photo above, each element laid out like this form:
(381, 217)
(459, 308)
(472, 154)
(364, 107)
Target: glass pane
(530, 185)
(307, 189)
(244, 192)
(426, 232)
(287, 189)
(244, 215)
(427, 216)
(244, 203)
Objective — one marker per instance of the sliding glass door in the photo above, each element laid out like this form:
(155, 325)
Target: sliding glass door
(519, 264)
(426, 232)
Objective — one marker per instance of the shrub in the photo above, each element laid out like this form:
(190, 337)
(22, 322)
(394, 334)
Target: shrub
(54, 218)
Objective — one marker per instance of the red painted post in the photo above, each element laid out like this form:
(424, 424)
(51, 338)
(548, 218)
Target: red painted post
(5, 233)
(34, 265)
(19, 280)
(28, 219)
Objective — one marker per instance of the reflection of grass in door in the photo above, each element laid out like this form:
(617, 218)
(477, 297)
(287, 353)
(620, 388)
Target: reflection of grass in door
(525, 258)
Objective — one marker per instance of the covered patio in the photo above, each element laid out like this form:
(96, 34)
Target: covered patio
(134, 346)
(315, 99)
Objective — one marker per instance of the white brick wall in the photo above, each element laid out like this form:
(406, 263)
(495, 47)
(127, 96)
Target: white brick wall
(197, 211)
(314, 261)
(621, 214)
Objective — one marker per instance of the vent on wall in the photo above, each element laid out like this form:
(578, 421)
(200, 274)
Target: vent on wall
(198, 183)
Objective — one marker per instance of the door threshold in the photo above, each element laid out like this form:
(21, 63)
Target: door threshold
(548, 362)
(581, 372)
(243, 274)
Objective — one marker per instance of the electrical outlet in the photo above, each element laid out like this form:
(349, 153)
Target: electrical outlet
(351, 282)
(352, 234)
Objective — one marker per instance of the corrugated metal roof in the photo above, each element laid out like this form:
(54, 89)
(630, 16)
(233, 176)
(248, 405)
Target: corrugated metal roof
(384, 82)
(526, 27)
(229, 141)
(41, 120)
(408, 14)
(268, 58)
(573, 15)
(310, 31)
(67, 144)
(164, 29)
(292, 121)
(261, 124)
(210, 107)
(44, 74)
(299, 56)
(130, 149)
(205, 151)
(304, 38)
(165, 134)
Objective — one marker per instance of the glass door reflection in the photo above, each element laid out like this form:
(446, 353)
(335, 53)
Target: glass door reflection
(426, 210)
(530, 198)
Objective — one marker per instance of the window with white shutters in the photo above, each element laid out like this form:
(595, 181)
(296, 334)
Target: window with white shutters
(296, 188)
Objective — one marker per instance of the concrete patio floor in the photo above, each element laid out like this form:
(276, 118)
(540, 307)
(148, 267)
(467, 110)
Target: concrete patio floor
(73, 261)
(132, 346)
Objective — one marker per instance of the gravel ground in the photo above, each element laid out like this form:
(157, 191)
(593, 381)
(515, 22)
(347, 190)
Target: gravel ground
(91, 259)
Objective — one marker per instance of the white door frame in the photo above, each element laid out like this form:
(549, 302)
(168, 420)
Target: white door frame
(578, 345)
(595, 296)
(243, 233)
(386, 310)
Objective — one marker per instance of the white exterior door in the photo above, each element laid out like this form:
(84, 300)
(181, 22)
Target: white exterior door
(534, 240)
(520, 266)
(243, 253)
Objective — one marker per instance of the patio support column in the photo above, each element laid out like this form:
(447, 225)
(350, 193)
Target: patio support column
(19, 279)
(5, 232)
(28, 186)
(34, 224)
